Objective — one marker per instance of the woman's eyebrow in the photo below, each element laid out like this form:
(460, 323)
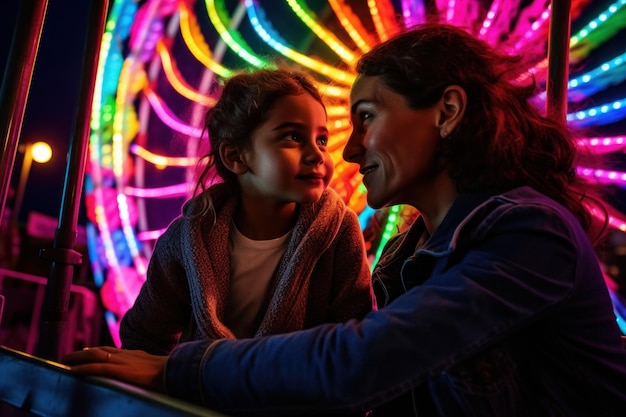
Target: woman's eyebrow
(357, 104)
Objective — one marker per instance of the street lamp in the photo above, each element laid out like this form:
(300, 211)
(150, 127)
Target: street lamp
(39, 152)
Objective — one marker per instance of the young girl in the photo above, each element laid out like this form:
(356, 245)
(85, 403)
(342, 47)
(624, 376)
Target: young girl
(271, 248)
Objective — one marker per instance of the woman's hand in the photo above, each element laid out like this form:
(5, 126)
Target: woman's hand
(135, 367)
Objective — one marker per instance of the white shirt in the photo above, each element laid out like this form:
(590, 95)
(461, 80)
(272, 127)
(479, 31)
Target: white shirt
(252, 263)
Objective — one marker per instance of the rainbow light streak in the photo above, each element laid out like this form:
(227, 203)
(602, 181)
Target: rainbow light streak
(262, 28)
(608, 73)
(177, 190)
(162, 160)
(603, 175)
(337, 112)
(585, 85)
(150, 235)
(388, 231)
(132, 75)
(129, 233)
(308, 18)
(615, 221)
(607, 144)
(376, 18)
(352, 25)
(619, 310)
(333, 91)
(365, 216)
(389, 17)
(600, 115)
(413, 12)
(197, 45)
(580, 49)
(450, 11)
(489, 18)
(94, 145)
(174, 78)
(597, 22)
(534, 28)
(107, 240)
(167, 116)
(239, 46)
(119, 119)
(97, 267)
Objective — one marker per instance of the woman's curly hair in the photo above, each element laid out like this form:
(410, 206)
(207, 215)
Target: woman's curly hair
(503, 140)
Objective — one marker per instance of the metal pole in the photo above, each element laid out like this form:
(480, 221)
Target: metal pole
(558, 60)
(62, 255)
(16, 85)
(27, 162)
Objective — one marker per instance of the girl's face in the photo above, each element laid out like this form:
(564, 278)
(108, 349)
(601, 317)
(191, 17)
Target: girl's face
(395, 146)
(287, 160)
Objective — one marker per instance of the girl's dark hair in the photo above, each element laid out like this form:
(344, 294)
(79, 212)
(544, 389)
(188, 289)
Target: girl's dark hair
(503, 141)
(243, 106)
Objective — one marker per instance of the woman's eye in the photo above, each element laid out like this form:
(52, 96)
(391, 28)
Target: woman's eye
(364, 115)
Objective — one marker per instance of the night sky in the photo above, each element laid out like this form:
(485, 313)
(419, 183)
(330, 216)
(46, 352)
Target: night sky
(53, 97)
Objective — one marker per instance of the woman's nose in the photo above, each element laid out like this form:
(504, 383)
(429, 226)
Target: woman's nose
(353, 149)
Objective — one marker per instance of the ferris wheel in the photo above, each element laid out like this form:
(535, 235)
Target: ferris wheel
(162, 63)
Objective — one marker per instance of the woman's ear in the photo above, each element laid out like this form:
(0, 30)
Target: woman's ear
(232, 158)
(452, 108)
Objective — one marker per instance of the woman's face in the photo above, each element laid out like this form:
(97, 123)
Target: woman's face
(395, 146)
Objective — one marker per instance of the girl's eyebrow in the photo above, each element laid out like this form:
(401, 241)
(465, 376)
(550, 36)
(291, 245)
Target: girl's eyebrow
(296, 125)
(289, 125)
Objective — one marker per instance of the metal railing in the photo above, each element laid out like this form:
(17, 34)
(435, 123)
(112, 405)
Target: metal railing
(83, 320)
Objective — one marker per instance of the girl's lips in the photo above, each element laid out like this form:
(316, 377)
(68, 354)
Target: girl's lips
(311, 177)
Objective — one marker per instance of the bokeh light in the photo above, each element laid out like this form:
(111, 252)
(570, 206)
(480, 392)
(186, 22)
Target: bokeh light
(41, 152)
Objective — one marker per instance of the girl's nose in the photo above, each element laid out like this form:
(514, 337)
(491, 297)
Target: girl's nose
(314, 154)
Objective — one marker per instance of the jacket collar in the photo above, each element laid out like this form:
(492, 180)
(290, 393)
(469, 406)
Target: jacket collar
(442, 242)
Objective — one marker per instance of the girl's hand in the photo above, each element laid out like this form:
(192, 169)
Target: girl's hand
(135, 367)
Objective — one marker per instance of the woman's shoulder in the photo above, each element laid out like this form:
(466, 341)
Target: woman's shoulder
(527, 198)
(525, 195)
(523, 207)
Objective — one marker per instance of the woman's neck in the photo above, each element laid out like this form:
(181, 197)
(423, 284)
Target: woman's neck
(435, 203)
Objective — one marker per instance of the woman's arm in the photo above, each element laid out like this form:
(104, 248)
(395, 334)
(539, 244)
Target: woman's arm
(500, 286)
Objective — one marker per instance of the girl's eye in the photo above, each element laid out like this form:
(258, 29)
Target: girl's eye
(322, 140)
(293, 136)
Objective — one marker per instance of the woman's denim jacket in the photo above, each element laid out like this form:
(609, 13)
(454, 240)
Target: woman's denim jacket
(503, 311)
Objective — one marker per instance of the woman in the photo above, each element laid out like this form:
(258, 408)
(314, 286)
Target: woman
(492, 303)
